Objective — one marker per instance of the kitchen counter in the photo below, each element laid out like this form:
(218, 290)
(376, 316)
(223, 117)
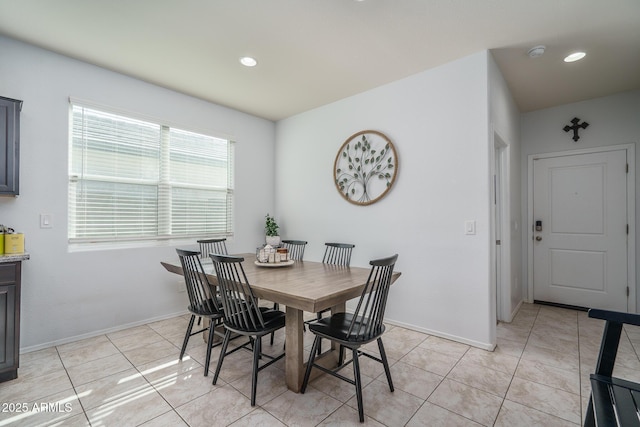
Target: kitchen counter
(14, 257)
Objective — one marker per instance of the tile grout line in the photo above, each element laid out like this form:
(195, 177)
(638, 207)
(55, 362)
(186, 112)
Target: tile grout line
(538, 317)
(517, 365)
(444, 377)
(555, 388)
(582, 414)
(84, 412)
(434, 389)
(148, 382)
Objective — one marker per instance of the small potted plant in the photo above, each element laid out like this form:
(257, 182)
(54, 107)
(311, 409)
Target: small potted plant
(271, 231)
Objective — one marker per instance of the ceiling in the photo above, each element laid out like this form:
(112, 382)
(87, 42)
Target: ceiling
(314, 52)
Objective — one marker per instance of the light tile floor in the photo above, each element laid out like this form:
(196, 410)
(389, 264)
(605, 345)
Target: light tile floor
(538, 375)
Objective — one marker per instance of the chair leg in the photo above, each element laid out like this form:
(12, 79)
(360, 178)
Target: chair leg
(276, 306)
(223, 351)
(254, 342)
(186, 336)
(385, 362)
(307, 373)
(207, 359)
(318, 317)
(589, 419)
(254, 373)
(356, 374)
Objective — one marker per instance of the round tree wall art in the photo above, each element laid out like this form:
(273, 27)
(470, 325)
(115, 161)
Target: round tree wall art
(366, 167)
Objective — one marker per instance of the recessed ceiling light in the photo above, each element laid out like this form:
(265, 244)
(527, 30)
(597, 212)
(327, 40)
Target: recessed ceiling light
(575, 56)
(248, 61)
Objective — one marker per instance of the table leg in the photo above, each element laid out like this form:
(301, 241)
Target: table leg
(294, 358)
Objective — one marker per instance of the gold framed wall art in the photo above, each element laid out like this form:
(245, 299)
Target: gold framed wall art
(365, 167)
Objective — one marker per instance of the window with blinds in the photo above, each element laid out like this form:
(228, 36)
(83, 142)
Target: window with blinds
(132, 179)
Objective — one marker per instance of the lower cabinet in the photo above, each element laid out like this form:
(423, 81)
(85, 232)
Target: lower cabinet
(9, 320)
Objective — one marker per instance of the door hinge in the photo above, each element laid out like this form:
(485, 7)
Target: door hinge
(627, 228)
(627, 167)
(498, 242)
(627, 291)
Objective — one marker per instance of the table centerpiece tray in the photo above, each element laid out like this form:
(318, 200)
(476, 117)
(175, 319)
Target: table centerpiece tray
(274, 264)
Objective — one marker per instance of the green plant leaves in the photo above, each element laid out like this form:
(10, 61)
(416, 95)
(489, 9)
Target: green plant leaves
(270, 226)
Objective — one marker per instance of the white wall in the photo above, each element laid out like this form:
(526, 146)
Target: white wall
(505, 124)
(613, 120)
(69, 295)
(438, 121)
(441, 122)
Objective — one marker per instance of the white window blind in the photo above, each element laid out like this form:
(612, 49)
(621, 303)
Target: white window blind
(133, 179)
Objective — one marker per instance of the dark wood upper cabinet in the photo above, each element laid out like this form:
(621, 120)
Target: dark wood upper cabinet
(9, 146)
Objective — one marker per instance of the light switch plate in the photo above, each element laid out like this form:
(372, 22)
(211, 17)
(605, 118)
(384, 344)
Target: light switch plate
(469, 227)
(46, 221)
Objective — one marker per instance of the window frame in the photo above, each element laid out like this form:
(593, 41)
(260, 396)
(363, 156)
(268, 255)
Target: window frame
(162, 184)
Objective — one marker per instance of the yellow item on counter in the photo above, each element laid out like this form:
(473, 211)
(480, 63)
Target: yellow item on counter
(1, 243)
(14, 243)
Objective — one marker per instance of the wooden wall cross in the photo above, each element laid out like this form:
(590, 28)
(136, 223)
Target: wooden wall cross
(575, 127)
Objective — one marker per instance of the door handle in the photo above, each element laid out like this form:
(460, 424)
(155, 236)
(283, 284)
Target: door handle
(538, 238)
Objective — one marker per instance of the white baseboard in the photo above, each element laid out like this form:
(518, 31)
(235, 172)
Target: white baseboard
(473, 343)
(37, 347)
(515, 311)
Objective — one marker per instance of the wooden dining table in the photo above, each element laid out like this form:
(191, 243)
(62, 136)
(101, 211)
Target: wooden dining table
(302, 286)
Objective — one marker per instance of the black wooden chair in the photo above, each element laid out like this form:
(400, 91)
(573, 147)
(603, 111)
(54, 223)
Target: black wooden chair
(296, 253)
(295, 248)
(335, 254)
(614, 401)
(243, 316)
(212, 246)
(203, 301)
(353, 330)
(338, 253)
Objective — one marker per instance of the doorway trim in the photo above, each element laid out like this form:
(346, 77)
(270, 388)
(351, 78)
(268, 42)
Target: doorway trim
(500, 220)
(631, 214)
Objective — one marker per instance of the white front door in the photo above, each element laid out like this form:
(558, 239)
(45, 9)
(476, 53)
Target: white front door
(580, 230)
